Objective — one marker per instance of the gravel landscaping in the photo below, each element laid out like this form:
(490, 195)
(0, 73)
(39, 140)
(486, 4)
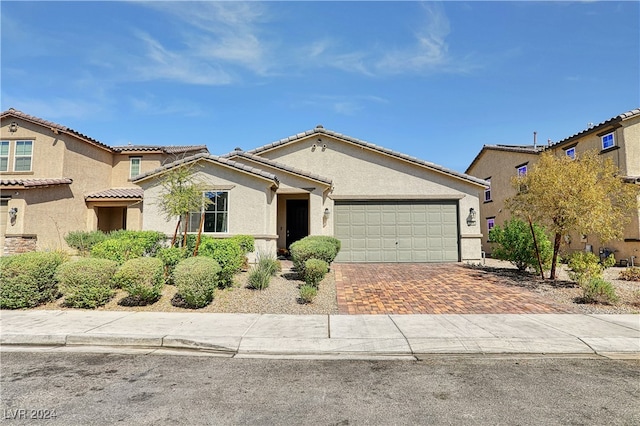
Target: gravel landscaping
(282, 296)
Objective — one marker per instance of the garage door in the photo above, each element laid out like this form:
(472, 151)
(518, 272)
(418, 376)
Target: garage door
(397, 231)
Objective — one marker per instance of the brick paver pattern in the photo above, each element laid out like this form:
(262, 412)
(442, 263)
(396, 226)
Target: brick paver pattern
(432, 289)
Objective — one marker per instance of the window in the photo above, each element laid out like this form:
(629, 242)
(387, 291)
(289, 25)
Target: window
(216, 216)
(134, 163)
(608, 141)
(571, 153)
(491, 222)
(4, 156)
(522, 170)
(24, 150)
(487, 191)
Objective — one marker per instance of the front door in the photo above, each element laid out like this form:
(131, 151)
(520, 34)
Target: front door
(297, 220)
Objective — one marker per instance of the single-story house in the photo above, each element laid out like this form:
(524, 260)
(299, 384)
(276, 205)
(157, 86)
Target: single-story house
(383, 205)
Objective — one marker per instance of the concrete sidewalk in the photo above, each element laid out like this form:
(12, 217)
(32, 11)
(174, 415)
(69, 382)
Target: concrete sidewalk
(325, 336)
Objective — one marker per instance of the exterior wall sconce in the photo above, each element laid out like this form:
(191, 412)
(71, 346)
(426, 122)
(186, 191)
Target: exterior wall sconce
(13, 127)
(326, 213)
(13, 213)
(471, 219)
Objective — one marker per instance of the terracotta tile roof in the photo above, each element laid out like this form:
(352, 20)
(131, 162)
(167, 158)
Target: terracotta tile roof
(54, 126)
(119, 193)
(281, 166)
(35, 183)
(214, 159)
(599, 126)
(168, 149)
(319, 130)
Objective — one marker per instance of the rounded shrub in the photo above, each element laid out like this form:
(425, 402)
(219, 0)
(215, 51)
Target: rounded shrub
(314, 247)
(142, 278)
(118, 250)
(86, 283)
(170, 257)
(314, 271)
(307, 293)
(196, 279)
(28, 279)
(227, 253)
(597, 290)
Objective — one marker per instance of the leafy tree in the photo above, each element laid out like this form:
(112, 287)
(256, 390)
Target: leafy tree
(584, 196)
(181, 194)
(514, 242)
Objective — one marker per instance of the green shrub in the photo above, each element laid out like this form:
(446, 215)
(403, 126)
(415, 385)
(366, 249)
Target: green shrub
(584, 266)
(142, 278)
(86, 283)
(259, 278)
(631, 274)
(513, 242)
(314, 271)
(28, 279)
(598, 290)
(124, 245)
(227, 253)
(314, 247)
(170, 257)
(246, 242)
(83, 241)
(308, 293)
(151, 241)
(268, 263)
(196, 279)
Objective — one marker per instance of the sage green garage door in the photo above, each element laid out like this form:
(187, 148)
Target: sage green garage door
(397, 231)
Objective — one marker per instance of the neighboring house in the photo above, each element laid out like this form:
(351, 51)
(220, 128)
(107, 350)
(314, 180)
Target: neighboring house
(617, 138)
(54, 180)
(384, 206)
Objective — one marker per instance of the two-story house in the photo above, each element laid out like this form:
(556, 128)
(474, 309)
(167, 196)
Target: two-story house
(617, 138)
(54, 180)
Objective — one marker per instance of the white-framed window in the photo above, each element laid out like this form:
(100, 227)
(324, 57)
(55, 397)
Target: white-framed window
(4, 156)
(487, 191)
(134, 166)
(571, 153)
(522, 170)
(23, 156)
(608, 141)
(216, 215)
(491, 223)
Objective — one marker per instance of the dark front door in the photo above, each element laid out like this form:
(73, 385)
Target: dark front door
(297, 220)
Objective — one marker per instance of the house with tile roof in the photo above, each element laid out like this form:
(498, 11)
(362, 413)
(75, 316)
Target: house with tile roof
(617, 138)
(384, 206)
(54, 180)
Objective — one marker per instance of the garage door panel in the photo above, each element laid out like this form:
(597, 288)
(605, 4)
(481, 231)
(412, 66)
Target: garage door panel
(397, 231)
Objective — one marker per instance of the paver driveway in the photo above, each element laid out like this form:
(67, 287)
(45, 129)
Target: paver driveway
(431, 289)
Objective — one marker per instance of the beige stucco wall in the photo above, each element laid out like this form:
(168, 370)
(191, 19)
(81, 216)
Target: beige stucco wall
(362, 173)
(252, 206)
(122, 166)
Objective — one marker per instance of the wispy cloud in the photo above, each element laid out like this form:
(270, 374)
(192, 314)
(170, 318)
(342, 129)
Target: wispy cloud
(55, 108)
(340, 104)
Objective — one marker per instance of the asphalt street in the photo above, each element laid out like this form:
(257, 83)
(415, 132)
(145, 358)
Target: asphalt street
(96, 389)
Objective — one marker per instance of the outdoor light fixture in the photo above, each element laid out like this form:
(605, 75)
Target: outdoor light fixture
(13, 213)
(13, 127)
(471, 219)
(326, 213)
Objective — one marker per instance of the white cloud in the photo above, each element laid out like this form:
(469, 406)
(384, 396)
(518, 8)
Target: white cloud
(341, 104)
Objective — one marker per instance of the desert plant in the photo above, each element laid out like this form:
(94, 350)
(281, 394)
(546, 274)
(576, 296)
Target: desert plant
(196, 279)
(28, 279)
(308, 293)
(227, 253)
(314, 247)
(259, 278)
(514, 242)
(142, 278)
(631, 273)
(86, 283)
(83, 241)
(269, 263)
(584, 266)
(598, 290)
(314, 271)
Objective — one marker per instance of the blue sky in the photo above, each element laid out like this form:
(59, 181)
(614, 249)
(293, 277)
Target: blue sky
(433, 80)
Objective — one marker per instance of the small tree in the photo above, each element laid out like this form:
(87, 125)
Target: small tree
(514, 242)
(182, 194)
(584, 196)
